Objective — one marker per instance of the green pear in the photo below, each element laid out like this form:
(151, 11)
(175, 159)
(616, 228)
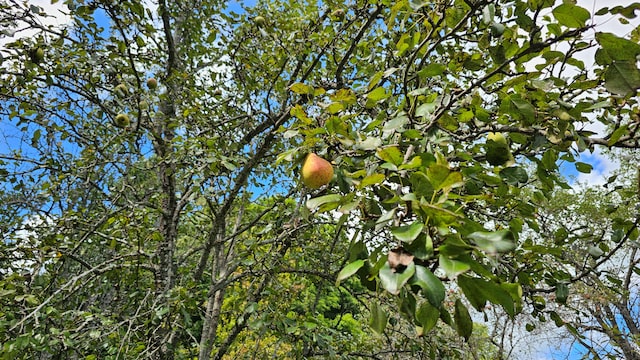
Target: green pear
(497, 149)
(122, 120)
(338, 14)
(498, 138)
(564, 116)
(121, 90)
(316, 171)
(260, 21)
(36, 55)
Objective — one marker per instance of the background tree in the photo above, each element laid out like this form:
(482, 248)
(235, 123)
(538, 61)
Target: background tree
(174, 232)
(590, 235)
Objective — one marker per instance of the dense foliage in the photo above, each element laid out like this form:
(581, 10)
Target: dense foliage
(182, 231)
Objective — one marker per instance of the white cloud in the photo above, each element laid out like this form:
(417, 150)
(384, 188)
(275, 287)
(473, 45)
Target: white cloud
(55, 15)
(603, 167)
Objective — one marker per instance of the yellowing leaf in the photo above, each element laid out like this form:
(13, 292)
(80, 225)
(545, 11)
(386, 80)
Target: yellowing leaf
(372, 180)
(300, 88)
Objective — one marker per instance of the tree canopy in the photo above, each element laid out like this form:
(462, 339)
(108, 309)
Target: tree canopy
(151, 203)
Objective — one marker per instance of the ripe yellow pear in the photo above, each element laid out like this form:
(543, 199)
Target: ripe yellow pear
(316, 171)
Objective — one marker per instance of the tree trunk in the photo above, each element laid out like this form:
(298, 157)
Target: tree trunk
(216, 297)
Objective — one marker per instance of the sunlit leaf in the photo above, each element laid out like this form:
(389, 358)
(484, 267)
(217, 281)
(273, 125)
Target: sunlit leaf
(372, 180)
(570, 15)
(349, 270)
(378, 94)
(390, 154)
(316, 202)
(370, 143)
(300, 88)
(407, 233)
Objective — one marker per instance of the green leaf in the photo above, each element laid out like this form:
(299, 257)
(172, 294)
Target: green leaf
(453, 268)
(35, 138)
(407, 233)
(421, 186)
(515, 290)
(571, 15)
(524, 107)
(583, 167)
(628, 12)
(426, 109)
(464, 324)
(437, 174)
(488, 12)
(454, 179)
(556, 318)
(479, 291)
(378, 94)
(390, 154)
(393, 281)
(345, 96)
(370, 143)
(494, 242)
(412, 164)
(549, 159)
(617, 48)
(432, 287)
(379, 318)
(396, 123)
(349, 270)
(617, 134)
(562, 292)
(373, 81)
(427, 315)
(514, 175)
(433, 69)
(595, 251)
(622, 77)
(335, 108)
(298, 112)
(316, 202)
(421, 247)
